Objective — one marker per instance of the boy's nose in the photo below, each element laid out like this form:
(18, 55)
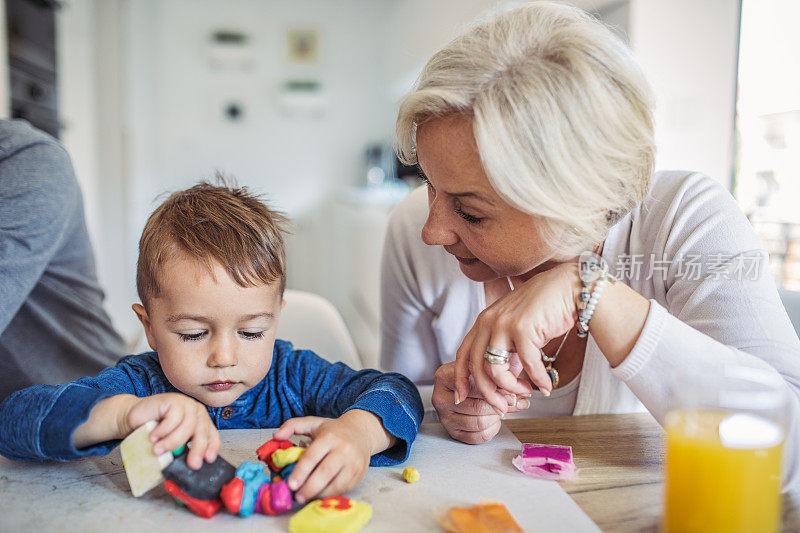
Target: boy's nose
(223, 353)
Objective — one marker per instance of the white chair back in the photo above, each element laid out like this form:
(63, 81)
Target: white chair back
(311, 322)
(791, 301)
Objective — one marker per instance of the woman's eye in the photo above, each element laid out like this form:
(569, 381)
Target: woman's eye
(466, 216)
(425, 180)
(191, 336)
(252, 334)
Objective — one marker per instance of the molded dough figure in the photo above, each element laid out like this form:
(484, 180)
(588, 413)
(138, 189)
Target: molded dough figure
(335, 514)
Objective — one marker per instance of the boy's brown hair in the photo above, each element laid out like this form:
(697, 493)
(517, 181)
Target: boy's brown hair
(211, 223)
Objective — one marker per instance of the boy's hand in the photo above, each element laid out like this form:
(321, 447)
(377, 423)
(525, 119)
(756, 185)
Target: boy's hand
(338, 457)
(181, 419)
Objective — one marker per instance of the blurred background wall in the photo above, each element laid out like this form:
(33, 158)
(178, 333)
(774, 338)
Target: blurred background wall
(296, 99)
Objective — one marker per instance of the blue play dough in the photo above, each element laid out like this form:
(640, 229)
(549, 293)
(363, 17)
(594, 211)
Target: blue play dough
(287, 471)
(253, 476)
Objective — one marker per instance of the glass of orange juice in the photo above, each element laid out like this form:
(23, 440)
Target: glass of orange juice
(724, 441)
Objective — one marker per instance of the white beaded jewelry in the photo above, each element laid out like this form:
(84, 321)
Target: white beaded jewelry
(592, 269)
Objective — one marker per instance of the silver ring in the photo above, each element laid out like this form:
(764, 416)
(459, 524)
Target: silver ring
(496, 356)
(499, 352)
(495, 359)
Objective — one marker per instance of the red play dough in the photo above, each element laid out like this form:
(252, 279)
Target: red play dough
(268, 448)
(231, 495)
(203, 508)
(342, 503)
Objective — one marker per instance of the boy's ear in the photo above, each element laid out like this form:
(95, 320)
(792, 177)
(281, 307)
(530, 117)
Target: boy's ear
(141, 314)
(283, 303)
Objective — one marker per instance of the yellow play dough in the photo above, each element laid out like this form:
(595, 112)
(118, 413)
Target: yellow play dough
(335, 514)
(411, 475)
(286, 457)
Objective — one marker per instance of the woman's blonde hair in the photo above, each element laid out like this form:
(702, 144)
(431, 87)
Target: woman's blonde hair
(561, 113)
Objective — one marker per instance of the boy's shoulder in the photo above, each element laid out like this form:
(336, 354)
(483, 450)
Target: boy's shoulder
(144, 366)
(286, 356)
(284, 353)
(144, 360)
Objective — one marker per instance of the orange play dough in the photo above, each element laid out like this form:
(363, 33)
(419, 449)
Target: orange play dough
(483, 518)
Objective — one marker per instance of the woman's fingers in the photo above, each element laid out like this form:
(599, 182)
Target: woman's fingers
(472, 423)
(461, 384)
(531, 359)
(505, 378)
(481, 376)
(474, 437)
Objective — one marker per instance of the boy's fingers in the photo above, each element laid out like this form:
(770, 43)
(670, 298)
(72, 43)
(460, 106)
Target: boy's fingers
(212, 450)
(323, 475)
(146, 410)
(310, 458)
(304, 425)
(343, 482)
(177, 437)
(172, 418)
(197, 450)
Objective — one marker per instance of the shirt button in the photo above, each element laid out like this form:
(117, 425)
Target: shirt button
(227, 413)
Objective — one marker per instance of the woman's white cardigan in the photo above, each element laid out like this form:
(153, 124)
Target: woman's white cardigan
(688, 248)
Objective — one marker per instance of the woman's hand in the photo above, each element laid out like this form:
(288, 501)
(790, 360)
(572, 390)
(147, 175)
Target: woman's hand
(472, 420)
(338, 457)
(523, 321)
(181, 419)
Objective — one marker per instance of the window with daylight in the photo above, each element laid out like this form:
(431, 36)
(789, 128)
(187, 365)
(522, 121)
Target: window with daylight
(767, 177)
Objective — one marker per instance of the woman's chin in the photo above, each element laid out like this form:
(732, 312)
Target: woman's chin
(478, 272)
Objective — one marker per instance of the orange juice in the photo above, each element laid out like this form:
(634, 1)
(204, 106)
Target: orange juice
(723, 472)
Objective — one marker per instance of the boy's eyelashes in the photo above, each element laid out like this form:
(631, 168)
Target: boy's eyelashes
(249, 335)
(191, 336)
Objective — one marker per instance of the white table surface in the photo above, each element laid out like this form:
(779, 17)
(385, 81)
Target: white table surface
(92, 494)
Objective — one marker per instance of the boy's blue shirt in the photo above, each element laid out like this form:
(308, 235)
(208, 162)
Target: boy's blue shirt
(36, 423)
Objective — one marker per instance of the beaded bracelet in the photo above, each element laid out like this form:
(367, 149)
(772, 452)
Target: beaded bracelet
(593, 271)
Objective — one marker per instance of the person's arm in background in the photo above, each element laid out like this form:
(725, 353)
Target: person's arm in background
(38, 193)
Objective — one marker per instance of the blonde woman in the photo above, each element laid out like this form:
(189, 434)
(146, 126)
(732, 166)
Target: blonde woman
(534, 132)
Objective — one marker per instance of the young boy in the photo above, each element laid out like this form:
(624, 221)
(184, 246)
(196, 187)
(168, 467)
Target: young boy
(210, 276)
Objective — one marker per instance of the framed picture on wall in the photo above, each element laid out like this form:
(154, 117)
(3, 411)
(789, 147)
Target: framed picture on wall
(303, 46)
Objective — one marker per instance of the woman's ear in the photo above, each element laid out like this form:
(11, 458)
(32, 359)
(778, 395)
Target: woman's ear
(141, 314)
